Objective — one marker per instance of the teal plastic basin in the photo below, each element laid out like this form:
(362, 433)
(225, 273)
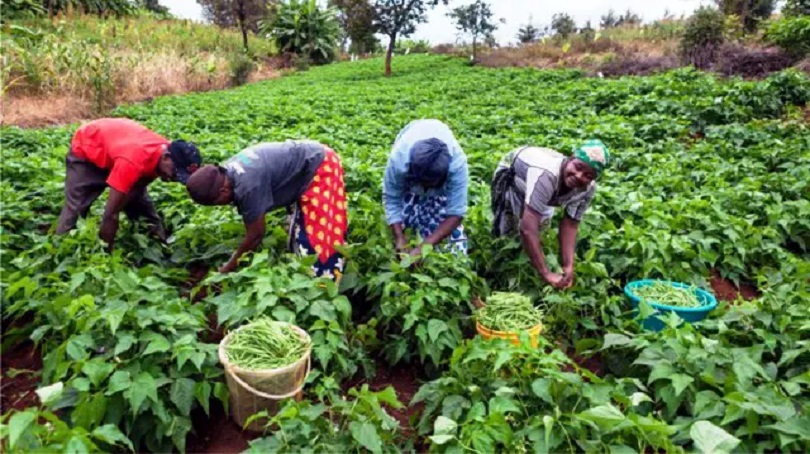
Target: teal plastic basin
(688, 314)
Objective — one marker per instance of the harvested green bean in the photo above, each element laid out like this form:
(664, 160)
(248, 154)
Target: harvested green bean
(666, 294)
(266, 344)
(509, 312)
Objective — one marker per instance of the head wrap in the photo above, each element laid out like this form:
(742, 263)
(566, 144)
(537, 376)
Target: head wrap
(594, 153)
(429, 162)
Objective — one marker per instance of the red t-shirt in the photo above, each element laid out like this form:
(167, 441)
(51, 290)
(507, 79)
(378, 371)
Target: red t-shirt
(127, 149)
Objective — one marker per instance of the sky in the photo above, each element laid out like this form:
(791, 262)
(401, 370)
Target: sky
(439, 28)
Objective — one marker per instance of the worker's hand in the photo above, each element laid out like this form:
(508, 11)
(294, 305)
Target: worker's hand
(566, 281)
(159, 232)
(401, 244)
(227, 268)
(109, 226)
(552, 278)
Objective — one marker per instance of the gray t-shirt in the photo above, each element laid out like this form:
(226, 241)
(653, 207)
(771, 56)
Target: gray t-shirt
(267, 176)
(539, 169)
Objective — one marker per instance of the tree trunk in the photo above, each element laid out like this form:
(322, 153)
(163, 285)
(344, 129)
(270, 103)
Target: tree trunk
(240, 16)
(475, 57)
(389, 53)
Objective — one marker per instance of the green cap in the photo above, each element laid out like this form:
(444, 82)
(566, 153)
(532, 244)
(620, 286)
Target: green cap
(594, 153)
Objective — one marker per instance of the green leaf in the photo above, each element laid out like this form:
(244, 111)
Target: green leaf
(97, 371)
(710, 439)
(50, 394)
(444, 426)
(202, 392)
(435, 328)
(142, 387)
(680, 382)
(366, 434)
(119, 381)
(18, 424)
(76, 445)
(504, 405)
(605, 416)
(125, 342)
(388, 396)
(182, 395)
(441, 439)
(181, 426)
(157, 343)
(221, 393)
(542, 389)
(110, 434)
(612, 340)
(90, 411)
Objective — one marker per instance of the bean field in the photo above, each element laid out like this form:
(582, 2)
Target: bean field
(709, 187)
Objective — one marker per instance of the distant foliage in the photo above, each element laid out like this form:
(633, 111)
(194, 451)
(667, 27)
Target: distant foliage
(528, 34)
(302, 27)
(792, 34)
(796, 8)
(356, 19)
(474, 20)
(563, 25)
(703, 36)
(749, 12)
(17, 8)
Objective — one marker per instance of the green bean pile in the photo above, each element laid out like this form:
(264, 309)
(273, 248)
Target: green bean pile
(509, 312)
(666, 294)
(266, 344)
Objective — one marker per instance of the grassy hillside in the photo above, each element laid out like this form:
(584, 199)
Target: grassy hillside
(73, 66)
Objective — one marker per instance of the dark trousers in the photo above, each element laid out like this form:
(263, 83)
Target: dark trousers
(84, 182)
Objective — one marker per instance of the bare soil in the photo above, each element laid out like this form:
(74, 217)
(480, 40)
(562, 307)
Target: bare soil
(725, 290)
(19, 368)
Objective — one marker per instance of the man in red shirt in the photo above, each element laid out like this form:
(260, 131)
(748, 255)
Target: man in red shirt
(125, 156)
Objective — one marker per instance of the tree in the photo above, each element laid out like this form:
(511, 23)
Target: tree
(609, 20)
(356, 18)
(796, 8)
(303, 28)
(563, 25)
(587, 32)
(243, 14)
(749, 12)
(628, 18)
(154, 6)
(475, 20)
(395, 18)
(528, 33)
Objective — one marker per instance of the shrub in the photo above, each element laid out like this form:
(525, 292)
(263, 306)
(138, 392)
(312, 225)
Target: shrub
(702, 37)
(303, 27)
(791, 34)
(241, 65)
(738, 60)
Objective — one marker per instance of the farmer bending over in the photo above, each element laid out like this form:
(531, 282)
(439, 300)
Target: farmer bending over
(529, 183)
(304, 177)
(425, 186)
(125, 156)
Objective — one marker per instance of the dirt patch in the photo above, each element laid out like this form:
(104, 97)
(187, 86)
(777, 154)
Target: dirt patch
(217, 433)
(196, 273)
(20, 367)
(725, 290)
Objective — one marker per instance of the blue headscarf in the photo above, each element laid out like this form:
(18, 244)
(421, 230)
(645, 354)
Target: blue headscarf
(430, 162)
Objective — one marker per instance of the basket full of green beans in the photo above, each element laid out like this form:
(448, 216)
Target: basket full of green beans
(265, 361)
(690, 303)
(505, 315)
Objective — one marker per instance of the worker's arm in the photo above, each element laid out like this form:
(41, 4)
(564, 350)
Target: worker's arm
(568, 240)
(109, 221)
(444, 230)
(254, 233)
(530, 224)
(400, 240)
